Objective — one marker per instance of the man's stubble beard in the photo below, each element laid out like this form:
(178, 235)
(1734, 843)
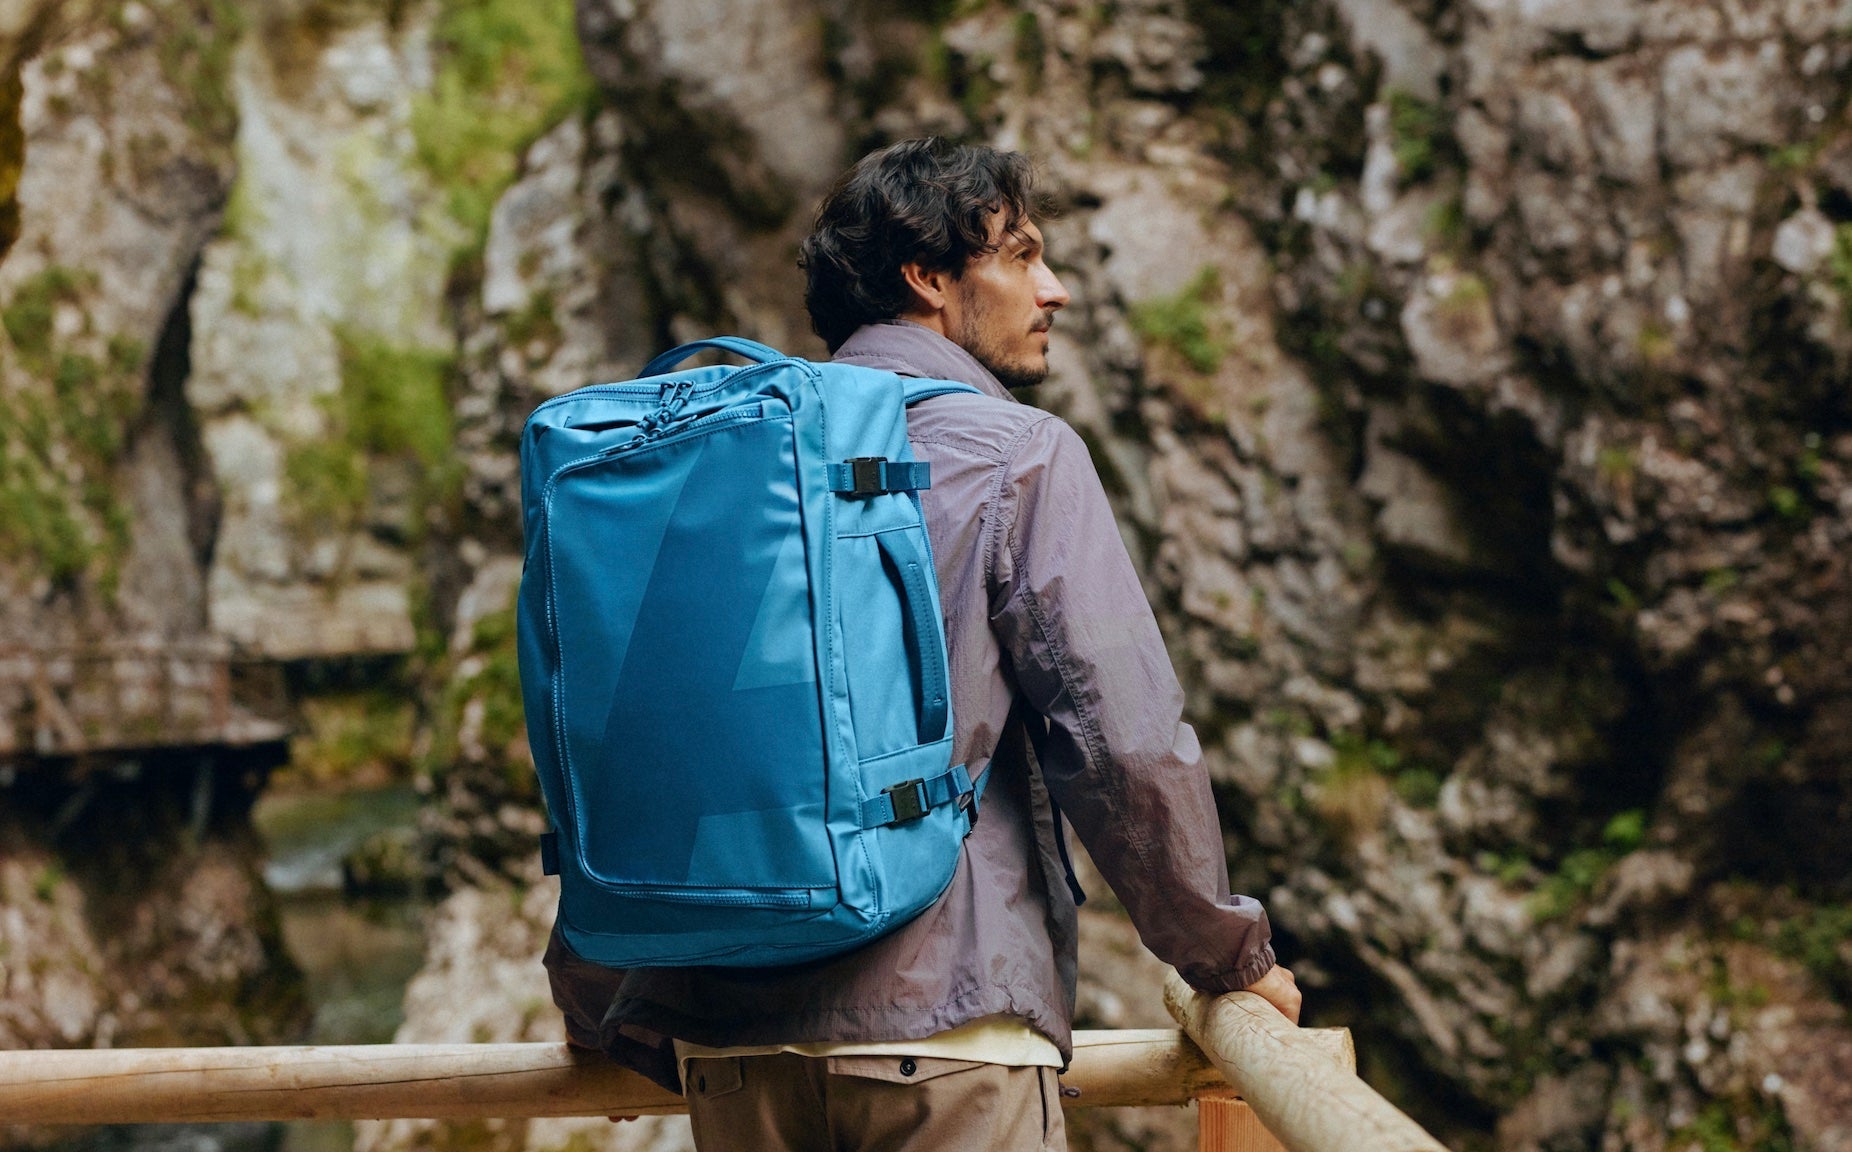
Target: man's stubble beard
(974, 336)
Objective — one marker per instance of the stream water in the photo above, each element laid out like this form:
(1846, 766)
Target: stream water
(356, 953)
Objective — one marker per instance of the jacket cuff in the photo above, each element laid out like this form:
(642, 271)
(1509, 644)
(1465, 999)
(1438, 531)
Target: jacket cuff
(1233, 979)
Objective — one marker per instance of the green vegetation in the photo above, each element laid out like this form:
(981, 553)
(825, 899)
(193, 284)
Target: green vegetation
(1416, 130)
(244, 218)
(1357, 754)
(1626, 831)
(508, 71)
(491, 676)
(1243, 62)
(1511, 869)
(395, 399)
(1581, 871)
(1655, 344)
(1615, 463)
(1796, 157)
(973, 86)
(45, 884)
(361, 739)
(1808, 465)
(29, 316)
(1624, 597)
(327, 485)
(393, 403)
(1354, 791)
(1736, 1125)
(1289, 721)
(1821, 939)
(1031, 47)
(535, 322)
(196, 57)
(63, 424)
(1418, 787)
(1445, 228)
(1467, 295)
(500, 679)
(1795, 500)
(1182, 324)
(1787, 503)
(1839, 266)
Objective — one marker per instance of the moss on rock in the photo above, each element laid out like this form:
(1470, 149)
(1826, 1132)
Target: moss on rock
(508, 70)
(69, 396)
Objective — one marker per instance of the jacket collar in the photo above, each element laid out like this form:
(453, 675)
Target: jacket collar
(910, 349)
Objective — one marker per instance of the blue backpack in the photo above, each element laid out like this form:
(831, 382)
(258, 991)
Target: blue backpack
(733, 662)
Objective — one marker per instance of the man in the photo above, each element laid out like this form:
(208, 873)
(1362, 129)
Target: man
(947, 1033)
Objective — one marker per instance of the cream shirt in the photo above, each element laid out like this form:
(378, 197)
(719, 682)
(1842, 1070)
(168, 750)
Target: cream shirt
(999, 1039)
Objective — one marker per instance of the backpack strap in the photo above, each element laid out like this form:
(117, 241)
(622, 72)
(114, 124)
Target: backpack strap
(911, 799)
(738, 345)
(877, 475)
(919, 389)
(1037, 728)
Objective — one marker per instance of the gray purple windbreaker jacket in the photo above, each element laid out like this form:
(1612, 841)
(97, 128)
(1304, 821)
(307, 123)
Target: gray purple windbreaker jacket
(1041, 601)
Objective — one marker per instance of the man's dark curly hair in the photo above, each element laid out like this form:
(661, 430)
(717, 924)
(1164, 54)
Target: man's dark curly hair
(919, 200)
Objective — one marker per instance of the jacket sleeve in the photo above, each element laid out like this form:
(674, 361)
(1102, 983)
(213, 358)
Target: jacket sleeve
(1126, 769)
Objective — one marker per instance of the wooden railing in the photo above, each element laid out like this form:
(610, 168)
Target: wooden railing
(1260, 1082)
(73, 700)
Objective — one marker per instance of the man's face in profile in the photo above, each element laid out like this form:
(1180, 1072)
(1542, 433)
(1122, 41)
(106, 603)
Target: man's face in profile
(1003, 305)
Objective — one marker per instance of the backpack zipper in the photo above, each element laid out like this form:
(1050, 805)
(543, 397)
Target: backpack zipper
(636, 389)
(727, 897)
(663, 439)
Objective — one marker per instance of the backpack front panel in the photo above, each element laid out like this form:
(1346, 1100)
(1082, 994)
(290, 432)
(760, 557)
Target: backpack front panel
(687, 689)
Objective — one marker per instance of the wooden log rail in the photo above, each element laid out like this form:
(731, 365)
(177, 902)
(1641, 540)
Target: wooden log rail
(1301, 1084)
(1304, 1100)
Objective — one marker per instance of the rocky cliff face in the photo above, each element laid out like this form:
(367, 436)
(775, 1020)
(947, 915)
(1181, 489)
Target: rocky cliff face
(1470, 379)
(132, 910)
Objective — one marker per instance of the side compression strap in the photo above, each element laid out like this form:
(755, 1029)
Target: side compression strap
(876, 475)
(915, 798)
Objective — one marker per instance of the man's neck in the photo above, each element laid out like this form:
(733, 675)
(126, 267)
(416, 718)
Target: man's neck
(914, 349)
(934, 321)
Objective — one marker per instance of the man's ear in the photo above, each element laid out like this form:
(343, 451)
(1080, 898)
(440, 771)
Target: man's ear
(930, 287)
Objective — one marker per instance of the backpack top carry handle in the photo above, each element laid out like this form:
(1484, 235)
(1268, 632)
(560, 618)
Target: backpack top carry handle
(738, 345)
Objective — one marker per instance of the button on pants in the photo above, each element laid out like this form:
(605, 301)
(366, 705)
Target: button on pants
(789, 1103)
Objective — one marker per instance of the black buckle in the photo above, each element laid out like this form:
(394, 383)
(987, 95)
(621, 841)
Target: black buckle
(909, 797)
(865, 476)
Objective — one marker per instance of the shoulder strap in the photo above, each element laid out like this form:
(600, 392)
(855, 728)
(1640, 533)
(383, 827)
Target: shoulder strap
(918, 389)
(1037, 728)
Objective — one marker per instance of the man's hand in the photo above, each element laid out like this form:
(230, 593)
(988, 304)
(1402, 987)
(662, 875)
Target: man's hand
(1279, 989)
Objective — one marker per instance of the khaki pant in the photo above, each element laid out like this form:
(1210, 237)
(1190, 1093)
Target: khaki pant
(790, 1103)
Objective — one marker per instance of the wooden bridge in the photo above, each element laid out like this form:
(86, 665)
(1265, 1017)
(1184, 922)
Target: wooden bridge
(1260, 1083)
(64, 701)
